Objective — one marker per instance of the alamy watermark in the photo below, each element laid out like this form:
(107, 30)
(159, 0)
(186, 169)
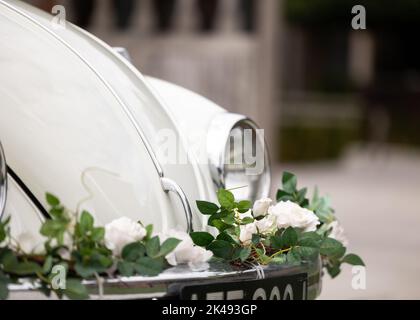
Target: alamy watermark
(58, 20)
(359, 20)
(244, 150)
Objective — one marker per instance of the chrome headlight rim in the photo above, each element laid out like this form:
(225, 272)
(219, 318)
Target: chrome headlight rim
(3, 181)
(219, 132)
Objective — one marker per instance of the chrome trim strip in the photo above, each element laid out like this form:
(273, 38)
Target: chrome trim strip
(104, 82)
(3, 181)
(171, 186)
(168, 283)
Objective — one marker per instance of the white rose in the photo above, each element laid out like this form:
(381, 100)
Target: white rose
(247, 231)
(337, 233)
(30, 244)
(186, 252)
(290, 214)
(247, 214)
(261, 207)
(266, 224)
(121, 232)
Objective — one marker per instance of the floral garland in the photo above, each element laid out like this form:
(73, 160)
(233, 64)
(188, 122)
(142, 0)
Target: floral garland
(288, 232)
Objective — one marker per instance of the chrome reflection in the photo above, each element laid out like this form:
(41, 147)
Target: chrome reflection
(3, 181)
(238, 156)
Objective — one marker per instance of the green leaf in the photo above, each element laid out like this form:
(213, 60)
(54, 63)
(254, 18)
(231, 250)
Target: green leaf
(26, 268)
(226, 237)
(226, 198)
(50, 227)
(4, 289)
(48, 263)
(9, 260)
(289, 181)
(98, 234)
(221, 249)
(293, 257)
(125, 268)
(149, 231)
(334, 270)
(229, 220)
(207, 208)
(281, 259)
(133, 251)
(52, 200)
(85, 271)
(86, 221)
(262, 256)
(244, 254)
(353, 259)
(153, 247)
(276, 242)
(75, 290)
(306, 252)
(289, 237)
(218, 224)
(168, 246)
(247, 220)
(283, 196)
(2, 233)
(148, 266)
(202, 239)
(310, 239)
(300, 198)
(255, 239)
(57, 212)
(244, 206)
(331, 248)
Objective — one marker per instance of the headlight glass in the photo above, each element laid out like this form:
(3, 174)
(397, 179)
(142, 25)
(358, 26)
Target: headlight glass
(242, 164)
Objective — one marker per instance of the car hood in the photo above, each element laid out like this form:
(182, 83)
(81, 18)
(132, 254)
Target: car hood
(79, 121)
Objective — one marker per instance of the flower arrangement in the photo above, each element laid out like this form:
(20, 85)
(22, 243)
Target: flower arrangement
(288, 231)
(85, 251)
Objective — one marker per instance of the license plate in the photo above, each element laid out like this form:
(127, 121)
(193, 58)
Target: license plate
(292, 287)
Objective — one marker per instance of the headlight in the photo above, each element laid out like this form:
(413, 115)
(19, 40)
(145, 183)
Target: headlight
(238, 156)
(3, 181)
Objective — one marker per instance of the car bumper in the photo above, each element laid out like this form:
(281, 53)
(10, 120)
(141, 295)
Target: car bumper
(168, 284)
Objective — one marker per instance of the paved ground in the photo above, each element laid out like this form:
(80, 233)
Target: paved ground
(376, 194)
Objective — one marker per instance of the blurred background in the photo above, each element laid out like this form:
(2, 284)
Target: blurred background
(340, 107)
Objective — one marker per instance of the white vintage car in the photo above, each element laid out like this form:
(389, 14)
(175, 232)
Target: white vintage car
(79, 120)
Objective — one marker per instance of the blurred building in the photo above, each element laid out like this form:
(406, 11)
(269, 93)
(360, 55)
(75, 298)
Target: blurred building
(296, 66)
(224, 50)
(343, 85)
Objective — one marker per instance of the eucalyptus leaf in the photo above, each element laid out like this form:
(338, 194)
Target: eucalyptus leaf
(153, 247)
(168, 246)
(126, 268)
(133, 251)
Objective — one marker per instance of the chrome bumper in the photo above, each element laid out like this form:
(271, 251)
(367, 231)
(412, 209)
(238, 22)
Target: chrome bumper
(167, 285)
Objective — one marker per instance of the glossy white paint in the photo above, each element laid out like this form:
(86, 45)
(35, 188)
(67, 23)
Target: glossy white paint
(78, 120)
(68, 118)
